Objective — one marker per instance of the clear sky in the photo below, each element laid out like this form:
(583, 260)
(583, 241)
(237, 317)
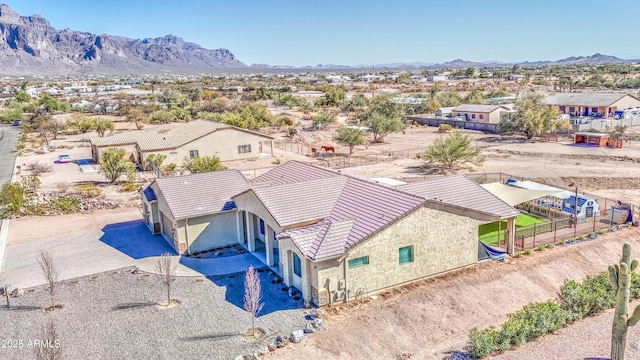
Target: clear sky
(356, 32)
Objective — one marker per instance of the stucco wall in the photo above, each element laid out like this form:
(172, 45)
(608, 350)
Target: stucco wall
(130, 149)
(208, 232)
(626, 102)
(442, 241)
(249, 202)
(222, 143)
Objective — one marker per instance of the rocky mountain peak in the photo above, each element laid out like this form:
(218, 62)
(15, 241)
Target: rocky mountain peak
(28, 44)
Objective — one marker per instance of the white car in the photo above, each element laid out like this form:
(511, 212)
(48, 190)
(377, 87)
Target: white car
(64, 158)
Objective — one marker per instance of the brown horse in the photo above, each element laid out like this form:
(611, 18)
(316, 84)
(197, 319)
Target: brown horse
(328, 148)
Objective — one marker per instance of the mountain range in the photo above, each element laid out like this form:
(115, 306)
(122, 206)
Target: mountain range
(30, 45)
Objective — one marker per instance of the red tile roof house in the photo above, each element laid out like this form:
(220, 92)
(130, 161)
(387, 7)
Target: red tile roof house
(328, 234)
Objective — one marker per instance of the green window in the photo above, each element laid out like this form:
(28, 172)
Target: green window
(193, 154)
(297, 265)
(243, 149)
(361, 261)
(406, 254)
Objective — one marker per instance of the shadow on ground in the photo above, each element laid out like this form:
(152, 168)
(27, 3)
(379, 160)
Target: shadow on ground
(134, 239)
(275, 294)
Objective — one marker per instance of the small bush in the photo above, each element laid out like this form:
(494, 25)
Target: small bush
(581, 237)
(37, 168)
(88, 190)
(540, 248)
(129, 187)
(602, 231)
(528, 252)
(65, 205)
(517, 255)
(550, 246)
(444, 128)
(483, 342)
(591, 234)
(586, 298)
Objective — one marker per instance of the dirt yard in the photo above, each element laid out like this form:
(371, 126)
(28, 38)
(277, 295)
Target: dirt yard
(428, 320)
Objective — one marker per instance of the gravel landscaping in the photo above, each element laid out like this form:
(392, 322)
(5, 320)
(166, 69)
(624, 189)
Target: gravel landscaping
(114, 315)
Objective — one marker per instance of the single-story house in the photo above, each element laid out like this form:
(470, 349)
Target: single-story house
(436, 78)
(332, 236)
(480, 113)
(194, 139)
(592, 104)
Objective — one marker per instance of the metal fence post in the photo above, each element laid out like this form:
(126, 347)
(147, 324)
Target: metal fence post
(534, 235)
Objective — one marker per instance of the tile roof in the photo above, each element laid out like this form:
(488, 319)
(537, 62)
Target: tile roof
(201, 194)
(462, 192)
(347, 209)
(479, 108)
(173, 138)
(587, 99)
(292, 172)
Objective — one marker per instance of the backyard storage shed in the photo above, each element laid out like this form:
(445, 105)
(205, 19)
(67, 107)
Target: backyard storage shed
(330, 235)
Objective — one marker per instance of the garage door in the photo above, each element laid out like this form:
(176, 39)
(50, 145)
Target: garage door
(167, 226)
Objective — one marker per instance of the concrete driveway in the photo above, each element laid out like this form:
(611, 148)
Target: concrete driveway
(119, 245)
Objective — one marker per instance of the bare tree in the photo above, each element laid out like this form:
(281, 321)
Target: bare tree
(252, 297)
(167, 271)
(50, 273)
(51, 349)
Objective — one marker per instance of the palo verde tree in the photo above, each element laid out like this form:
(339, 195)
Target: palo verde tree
(351, 137)
(12, 199)
(324, 118)
(532, 117)
(154, 160)
(113, 164)
(102, 125)
(383, 117)
(452, 151)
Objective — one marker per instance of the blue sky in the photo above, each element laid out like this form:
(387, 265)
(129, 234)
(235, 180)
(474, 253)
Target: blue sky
(354, 32)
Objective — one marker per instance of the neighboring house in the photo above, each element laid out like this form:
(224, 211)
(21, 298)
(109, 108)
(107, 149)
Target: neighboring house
(328, 234)
(197, 138)
(480, 113)
(592, 104)
(436, 78)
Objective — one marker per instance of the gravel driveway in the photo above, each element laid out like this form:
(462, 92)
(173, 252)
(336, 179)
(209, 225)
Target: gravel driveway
(113, 315)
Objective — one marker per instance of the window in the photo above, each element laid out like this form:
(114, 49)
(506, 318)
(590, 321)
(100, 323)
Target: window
(357, 262)
(193, 154)
(562, 109)
(594, 109)
(406, 254)
(473, 116)
(243, 149)
(481, 116)
(261, 227)
(297, 265)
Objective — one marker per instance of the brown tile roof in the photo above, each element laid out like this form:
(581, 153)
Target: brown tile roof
(463, 192)
(357, 210)
(200, 194)
(293, 172)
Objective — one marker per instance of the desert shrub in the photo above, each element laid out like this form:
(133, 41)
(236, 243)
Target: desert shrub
(129, 186)
(443, 128)
(63, 186)
(517, 255)
(483, 342)
(550, 246)
(65, 205)
(586, 298)
(591, 234)
(12, 199)
(88, 190)
(528, 251)
(37, 168)
(540, 248)
(602, 231)
(292, 131)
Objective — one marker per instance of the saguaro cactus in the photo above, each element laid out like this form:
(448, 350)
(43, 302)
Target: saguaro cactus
(620, 277)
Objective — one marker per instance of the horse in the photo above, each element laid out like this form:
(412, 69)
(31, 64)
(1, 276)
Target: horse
(328, 148)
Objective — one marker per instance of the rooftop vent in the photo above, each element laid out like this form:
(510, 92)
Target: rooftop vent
(199, 208)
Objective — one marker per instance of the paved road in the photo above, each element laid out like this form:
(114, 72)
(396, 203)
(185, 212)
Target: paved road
(8, 139)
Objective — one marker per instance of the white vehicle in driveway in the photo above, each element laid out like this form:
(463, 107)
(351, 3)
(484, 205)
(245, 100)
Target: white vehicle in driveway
(64, 158)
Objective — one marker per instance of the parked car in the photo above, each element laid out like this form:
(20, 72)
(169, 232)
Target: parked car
(17, 122)
(64, 158)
